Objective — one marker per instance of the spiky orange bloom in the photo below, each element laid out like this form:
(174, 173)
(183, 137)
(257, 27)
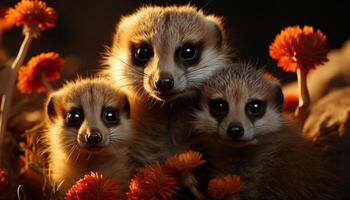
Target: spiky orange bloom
(3, 23)
(290, 102)
(45, 65)
(299, 48)
(3, 180)
(183, 163)
(95, 187)
(224, 186)
(32, 13)
(152, 183)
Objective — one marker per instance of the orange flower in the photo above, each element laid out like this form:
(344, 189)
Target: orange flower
(183, 163)
(45, 65)
(32, 12)
(94, 187)
(290, 102)
(299, 48)
(3, 180)
(151, 183)
(224, 186)
(3, 23)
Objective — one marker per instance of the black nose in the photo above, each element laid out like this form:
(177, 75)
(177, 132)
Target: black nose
(165, 82)
(94, 137)
(235, 130)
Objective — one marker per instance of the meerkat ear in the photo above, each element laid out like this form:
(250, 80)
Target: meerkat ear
(278, 95)
(50, 111)
(218, 25)
(127, 107)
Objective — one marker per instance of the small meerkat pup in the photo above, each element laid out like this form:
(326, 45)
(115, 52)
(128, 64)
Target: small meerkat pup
(240, 128)
(88, 128)
(160, 57)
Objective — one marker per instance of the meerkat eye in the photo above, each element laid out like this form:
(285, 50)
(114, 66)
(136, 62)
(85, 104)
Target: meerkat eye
(189, 53)
(256, 108)
(142, 54)
(218, 108)
(75, 117)
(110, 116)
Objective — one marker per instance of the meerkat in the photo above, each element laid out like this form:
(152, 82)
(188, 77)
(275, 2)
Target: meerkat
(88, 125)
(160, 57)
(241, 129)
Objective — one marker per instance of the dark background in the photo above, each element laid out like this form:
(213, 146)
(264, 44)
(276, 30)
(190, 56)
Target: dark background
(85, 27)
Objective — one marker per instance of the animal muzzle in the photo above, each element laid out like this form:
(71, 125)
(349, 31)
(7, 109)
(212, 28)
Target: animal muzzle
(164, 83)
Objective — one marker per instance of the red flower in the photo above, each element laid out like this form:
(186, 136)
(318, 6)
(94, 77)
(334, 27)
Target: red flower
(224, 186)
(299, 48)
(32, 12)
(45, 65)
(3, 180)
(95, 187)
(183, 163)
(151, 183)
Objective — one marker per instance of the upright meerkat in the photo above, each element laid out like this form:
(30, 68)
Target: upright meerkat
(240, 127)
(160, 57)
(88, 128)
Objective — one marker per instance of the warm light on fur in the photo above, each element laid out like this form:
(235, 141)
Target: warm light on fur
(69, 160)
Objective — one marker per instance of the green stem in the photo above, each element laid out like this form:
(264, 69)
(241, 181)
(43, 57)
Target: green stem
(7, 96)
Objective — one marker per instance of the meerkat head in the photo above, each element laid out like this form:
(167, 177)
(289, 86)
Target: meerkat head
(166, 52)
(88, 115)
(238, 105)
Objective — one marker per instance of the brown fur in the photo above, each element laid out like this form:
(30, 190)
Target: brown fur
(70, 161)
(159, 121)
(275, 162)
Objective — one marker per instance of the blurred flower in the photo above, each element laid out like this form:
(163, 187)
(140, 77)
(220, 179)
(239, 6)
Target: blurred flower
(3, 22)
(290, 102)
(151, 183)
(94, 187)
(32, 13)
(224, 186)
(269, 76)
(183, 163)
(43, 67)
(3, 180)
(299, 48)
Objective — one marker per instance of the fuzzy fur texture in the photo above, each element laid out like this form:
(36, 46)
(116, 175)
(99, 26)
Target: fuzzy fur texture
(166, 30)
(160, 120)
(274, 161)
(69, 159)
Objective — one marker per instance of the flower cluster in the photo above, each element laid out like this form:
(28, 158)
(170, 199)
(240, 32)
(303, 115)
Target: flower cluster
(183, 163)
(44, 67)
(152, 182)
(225, 186)
(95, 187)
(32, 13)
(299, 48)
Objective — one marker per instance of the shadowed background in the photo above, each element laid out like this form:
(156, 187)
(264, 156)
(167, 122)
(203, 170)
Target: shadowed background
(85, 27)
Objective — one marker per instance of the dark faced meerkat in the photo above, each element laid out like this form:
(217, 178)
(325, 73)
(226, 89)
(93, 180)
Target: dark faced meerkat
(160, 57)
(241, 129)
(88, 128)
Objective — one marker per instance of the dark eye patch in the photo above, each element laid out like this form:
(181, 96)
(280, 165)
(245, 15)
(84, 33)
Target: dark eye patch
(255, 108)
(141, 54)
(75, 117)
(218, 108)
(110, 116)
(189, 53)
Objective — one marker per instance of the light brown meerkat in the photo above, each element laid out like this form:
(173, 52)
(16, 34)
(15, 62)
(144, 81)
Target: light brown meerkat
(88, 127)
(241, 129)
(160, 57)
